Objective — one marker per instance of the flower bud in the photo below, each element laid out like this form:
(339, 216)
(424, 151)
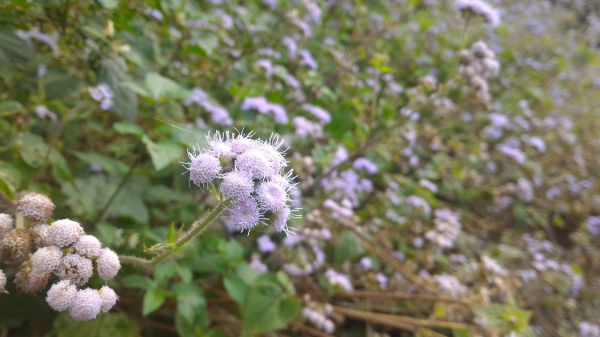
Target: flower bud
(16, 246)
(35, 207)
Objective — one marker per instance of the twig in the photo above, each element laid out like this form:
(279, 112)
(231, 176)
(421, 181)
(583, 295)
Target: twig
(102, 215)
(309, 330)
(403, 322)
(402, 296)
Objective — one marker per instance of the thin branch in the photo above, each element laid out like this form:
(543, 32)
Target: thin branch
(102, 215)
(402, 296)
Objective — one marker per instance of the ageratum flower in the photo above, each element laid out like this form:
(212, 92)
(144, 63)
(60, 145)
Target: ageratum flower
(61, 295)
(251, 174)
(87, 305)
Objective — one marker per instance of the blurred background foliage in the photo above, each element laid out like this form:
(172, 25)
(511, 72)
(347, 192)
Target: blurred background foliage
(388, 73)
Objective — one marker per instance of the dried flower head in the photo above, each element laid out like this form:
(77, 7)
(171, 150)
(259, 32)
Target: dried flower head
(15, 246)
(40, 235)
(76, 268)
(29, 281)
(108, 264)
(46, 259)
(61, 296)
(35, 207)
(64, 232)
(87, 305)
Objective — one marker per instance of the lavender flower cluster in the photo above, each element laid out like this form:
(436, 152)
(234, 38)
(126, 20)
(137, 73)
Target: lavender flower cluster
(249, 173)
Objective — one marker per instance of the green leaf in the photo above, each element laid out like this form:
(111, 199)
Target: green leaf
(162, 154)
(267, 308)
(172, 236)
(32, 148)
(136, 281)
(153, 299)
(128, 128)
(110, 165)
(190, 300)
(114, 72)
(347, 248)
(10, 107)
(159, 87)
(13, 50)
(236, 288)
(106, 325)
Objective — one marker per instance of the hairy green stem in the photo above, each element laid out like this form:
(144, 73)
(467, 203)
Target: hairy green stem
(197, 228)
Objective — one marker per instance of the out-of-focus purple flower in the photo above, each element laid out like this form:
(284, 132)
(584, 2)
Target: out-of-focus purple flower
(265, 245)
(103, 94)
(365, 164)
(321, 114)
(264, 107)
(306, 128)
(593, 225)
(306, 59)
(339, 279)
(366, 263)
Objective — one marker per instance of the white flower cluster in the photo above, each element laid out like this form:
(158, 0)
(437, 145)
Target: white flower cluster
(248, 172)
(72, 256)
(477, 65)
(447, 228)
(318, 315)
(479, 7)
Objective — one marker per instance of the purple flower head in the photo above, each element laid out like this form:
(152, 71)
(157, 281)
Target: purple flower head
(236, 185)
(203, 168)
(265, 245)
(271, 196)
(245, 214)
